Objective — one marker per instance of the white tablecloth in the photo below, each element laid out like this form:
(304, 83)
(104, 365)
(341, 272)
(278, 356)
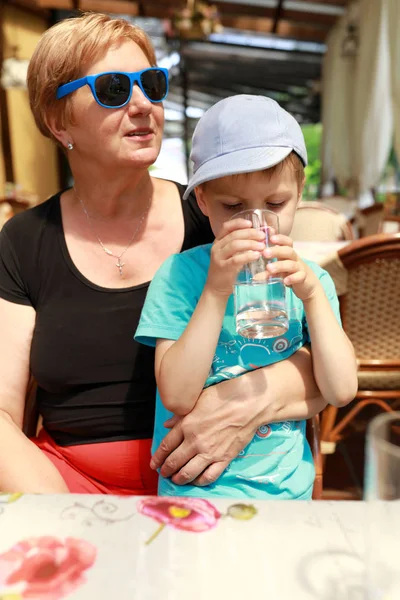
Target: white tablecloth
(286, 550)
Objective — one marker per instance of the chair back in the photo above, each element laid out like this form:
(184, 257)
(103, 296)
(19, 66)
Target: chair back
(313, 437)
(369, 220)
(370, 308)
(317, 222)
(31, 414)
(341, 204)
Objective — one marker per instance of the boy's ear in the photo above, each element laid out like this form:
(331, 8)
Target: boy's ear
(201, 201)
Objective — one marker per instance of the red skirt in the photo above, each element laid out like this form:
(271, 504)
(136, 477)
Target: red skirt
(103, 468)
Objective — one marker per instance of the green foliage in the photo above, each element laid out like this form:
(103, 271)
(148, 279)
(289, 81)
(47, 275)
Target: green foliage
(312, 136)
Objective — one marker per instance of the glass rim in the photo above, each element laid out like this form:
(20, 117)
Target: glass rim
(250, 211)
(374, 426)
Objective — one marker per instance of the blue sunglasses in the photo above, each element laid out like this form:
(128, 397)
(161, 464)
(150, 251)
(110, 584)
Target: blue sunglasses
(113, 90)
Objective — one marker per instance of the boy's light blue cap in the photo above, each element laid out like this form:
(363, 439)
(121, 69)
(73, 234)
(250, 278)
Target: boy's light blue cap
(241, 134)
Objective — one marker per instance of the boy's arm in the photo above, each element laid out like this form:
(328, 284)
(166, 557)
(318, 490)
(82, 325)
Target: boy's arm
(182, 367)
(334, 361)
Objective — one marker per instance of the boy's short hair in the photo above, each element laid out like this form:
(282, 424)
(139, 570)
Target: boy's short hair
(244, 134)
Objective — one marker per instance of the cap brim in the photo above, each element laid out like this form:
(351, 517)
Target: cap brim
(233, 163)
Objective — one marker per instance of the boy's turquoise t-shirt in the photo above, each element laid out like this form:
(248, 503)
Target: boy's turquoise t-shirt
(277, 463)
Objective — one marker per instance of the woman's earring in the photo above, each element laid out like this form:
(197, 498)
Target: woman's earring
(70, 146)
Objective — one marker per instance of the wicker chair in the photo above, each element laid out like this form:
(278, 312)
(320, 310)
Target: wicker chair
(317, 222)
(371, 318)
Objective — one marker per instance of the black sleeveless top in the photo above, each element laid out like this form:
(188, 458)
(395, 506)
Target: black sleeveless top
(95, 382)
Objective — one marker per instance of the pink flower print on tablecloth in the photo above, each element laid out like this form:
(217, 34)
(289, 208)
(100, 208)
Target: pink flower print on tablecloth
(45, 568)
(189, 514)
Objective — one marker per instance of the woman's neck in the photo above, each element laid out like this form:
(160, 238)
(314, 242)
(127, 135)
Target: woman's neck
(115, 196)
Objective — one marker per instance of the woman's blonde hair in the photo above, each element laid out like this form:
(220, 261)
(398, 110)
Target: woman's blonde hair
(65, 51)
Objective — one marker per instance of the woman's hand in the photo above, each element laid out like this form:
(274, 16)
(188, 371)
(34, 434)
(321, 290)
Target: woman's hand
(294, 272)
(202, 444)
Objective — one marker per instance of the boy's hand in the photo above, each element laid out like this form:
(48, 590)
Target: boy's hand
(236, 244)
(295, 273)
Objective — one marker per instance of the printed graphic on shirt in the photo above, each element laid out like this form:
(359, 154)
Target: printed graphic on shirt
(235, 354)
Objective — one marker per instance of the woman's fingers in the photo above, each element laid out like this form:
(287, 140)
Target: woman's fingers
(211, 473)
(169, 423)
(189, 472)
(169, 444)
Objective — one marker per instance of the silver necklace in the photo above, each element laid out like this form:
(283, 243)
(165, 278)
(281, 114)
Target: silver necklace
(118, 264)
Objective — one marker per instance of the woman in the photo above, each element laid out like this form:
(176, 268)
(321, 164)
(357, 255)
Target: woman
(73, 276)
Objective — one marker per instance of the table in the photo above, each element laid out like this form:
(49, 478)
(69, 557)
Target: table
(325, 254)
(120, 551)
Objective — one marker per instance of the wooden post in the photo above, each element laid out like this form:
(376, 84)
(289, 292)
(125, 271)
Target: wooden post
(5, 127)
(278, 14)
(185, 90)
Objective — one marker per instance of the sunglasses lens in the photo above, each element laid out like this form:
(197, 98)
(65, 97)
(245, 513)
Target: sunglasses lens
(154, 83)
(113, 89)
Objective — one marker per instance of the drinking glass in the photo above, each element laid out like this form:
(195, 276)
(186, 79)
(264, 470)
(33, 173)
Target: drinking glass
(382, 493)
(260, 305)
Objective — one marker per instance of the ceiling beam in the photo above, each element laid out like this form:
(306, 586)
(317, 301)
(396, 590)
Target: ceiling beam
(165, 9)
(277, 16)
(109, 6)
(30, 6)
(285, 28)
(327, 2)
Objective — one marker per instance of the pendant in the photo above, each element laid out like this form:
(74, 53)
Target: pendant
(119, 265)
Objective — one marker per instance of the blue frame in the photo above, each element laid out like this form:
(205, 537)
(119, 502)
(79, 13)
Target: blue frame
(90, 80)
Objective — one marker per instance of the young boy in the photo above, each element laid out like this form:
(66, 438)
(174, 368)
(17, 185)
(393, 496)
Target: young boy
(248, 153)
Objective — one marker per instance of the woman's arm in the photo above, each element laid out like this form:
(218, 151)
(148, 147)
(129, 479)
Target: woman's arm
(201, 445)
(23, 467)
(182, 367)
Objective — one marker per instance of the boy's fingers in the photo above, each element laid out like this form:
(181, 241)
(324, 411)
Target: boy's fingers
(239, 246)
(242, 234)
(295, 278)
(281, 253)
(281, 240)
(232, 225)
(239, 259)
(284, 266)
